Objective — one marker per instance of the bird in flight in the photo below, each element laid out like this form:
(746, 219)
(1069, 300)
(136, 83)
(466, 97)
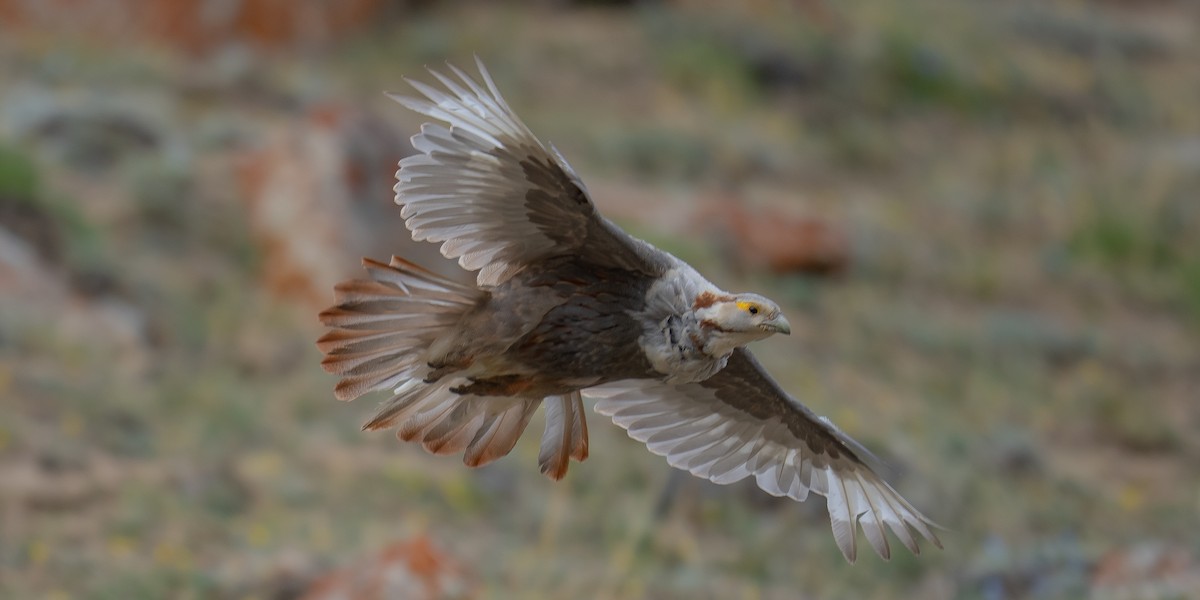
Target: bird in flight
(566, 305)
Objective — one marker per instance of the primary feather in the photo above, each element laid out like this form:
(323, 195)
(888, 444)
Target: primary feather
(566, 303)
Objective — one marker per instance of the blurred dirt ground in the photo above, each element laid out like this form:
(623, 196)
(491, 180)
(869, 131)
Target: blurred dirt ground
(982, 219)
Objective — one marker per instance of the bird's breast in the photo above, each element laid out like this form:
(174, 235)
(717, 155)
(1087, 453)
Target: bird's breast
(675, 349)
(673, 337)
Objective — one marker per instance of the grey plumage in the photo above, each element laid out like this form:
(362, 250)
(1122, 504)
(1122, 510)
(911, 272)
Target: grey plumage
(567, 305)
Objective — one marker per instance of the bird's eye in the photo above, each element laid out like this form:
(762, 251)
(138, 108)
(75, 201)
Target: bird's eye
(753, 310)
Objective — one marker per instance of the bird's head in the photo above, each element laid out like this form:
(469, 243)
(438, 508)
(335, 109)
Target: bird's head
(737, 320)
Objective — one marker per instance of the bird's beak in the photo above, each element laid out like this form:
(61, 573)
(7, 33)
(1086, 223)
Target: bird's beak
(778, 324)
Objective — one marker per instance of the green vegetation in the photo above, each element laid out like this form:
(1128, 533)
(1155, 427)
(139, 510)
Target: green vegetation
(18, 175)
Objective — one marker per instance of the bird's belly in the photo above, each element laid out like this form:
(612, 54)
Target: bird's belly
(557, 361)
(584, 341)
(573, 329)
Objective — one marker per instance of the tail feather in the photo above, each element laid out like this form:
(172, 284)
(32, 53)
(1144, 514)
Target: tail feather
(486, 427)
(382, 326)
(416, 426)
(455, 432)
(343, 341)
(447, 423)
(352, 387)
(499, 433)
(408, 399)
(381, 332)
(363, 363)
(579, 433)
(565, 436)
(352, 318)
(555, 453)
(356, 328)
(458, 440)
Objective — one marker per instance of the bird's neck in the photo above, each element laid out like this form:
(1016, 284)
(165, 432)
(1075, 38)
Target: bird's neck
(718, 343)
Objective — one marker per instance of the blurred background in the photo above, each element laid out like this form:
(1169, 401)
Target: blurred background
(981, 217)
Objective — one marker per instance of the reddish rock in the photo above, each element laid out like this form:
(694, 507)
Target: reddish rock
(408, 570)
(318, 199)
(1148, 570)
(198, 25)
(776, 241)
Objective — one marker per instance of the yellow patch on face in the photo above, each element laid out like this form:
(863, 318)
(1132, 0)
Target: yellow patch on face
(750, 307)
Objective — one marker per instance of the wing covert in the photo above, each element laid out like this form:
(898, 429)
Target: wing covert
(493, 195)
(739, 423)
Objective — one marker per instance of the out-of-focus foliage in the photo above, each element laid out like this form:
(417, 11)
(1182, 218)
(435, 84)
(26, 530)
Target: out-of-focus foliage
(981, 217)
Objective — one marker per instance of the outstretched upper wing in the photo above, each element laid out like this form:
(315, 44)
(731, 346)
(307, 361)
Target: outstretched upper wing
(739, 423)
(494, 196)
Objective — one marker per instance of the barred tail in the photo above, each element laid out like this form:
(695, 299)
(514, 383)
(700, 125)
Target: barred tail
(382, 333)
(382, 330)
(383, 326)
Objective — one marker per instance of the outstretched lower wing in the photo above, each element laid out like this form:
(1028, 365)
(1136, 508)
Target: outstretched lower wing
(493, 195)
(739, 423)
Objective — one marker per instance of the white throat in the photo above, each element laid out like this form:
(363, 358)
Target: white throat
(720, 344)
